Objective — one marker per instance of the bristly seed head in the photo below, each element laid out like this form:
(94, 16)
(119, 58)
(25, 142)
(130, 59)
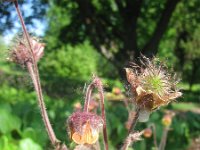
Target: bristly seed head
(21, 53)
(84, 127)
(151, 84)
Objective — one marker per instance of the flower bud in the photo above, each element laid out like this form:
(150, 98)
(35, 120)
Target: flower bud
(167, 120)
(116, 91)
(147, 133)
(77, 106)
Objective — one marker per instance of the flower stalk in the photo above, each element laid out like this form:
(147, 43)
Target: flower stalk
(154, 136)
(96, 83)
(164, 139)
(166, 121)
(34, 55)
(45, 117)
(128, 140)
(134, 121)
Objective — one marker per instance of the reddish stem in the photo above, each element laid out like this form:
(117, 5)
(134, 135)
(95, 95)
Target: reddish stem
(101, 95)
(134, 121)
(88, 96)
(127, 140)
(98, 84)
(33, 71)
(131, 138)
(24, 29)
(42, 105)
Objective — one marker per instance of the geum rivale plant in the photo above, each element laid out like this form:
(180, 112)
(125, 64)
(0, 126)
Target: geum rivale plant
(150, 85)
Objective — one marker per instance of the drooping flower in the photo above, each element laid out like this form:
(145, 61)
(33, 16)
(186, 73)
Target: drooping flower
(84, 127)
(151, 85)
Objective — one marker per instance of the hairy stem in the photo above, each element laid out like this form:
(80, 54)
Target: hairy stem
(24, 29)
(127, 141)
(96, 83)
(132, 137)
(88, 96)
(164, 138)
(41, 104)
(34, 73)
(101, 95)
(134, 122)
(126, 144)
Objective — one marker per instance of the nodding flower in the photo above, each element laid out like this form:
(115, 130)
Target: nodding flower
(21, 53)
(84, 127)
(151, 85)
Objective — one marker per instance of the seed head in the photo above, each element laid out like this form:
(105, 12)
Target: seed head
(84, 127)
(151, 84)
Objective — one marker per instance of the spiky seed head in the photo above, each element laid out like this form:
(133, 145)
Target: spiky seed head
(151, 84)
(84, 127)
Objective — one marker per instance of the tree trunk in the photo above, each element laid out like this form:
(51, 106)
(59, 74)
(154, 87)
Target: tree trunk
(151, 47)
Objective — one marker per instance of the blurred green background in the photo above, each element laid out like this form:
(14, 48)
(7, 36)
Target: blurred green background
(98, 37)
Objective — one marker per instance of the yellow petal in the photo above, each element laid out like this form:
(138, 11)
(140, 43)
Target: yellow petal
(88, 137)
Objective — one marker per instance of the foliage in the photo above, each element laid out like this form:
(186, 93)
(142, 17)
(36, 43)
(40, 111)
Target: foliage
(73, 65)
(98, 37)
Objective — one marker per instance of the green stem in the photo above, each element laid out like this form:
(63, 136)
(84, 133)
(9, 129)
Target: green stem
(164, 139)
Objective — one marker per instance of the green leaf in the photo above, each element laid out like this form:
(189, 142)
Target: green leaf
(6, 144)
(8, 121)
(28, 144)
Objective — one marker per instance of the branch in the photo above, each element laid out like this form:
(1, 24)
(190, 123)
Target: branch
(120, 6)
(130, 15)
(152, 45)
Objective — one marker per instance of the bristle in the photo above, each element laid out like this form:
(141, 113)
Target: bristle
(154, 80)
